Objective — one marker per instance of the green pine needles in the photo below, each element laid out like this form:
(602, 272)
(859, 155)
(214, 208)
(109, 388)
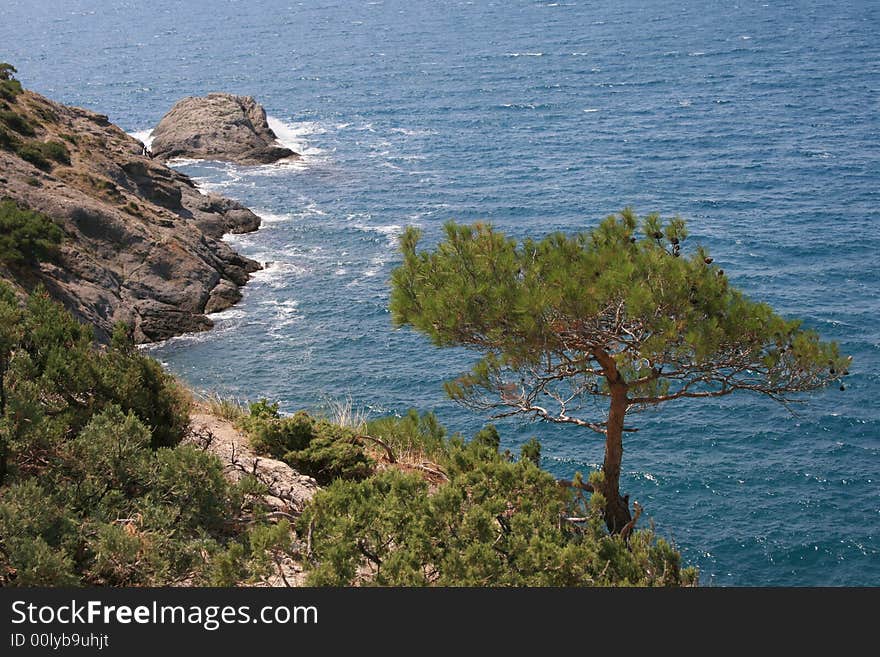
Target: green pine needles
(26, 236)
(618, 314)
(453, 512)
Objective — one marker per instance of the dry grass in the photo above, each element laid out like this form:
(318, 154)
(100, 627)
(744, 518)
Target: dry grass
(343, 413)
(227, 408)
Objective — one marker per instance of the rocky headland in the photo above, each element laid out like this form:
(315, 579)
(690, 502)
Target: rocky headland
(218, 126)
(141, 243)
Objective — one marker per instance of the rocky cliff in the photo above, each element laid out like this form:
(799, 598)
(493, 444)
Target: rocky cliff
(141, 244)
(218, 127)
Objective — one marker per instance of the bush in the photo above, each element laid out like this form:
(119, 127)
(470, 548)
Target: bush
(88, 493)
(31, 152)
(16, 122)
(7, 141)
(9, 86)
(412, 433)
(7, 71)
(313, 446)
(57, 381)
(276, 436)
(494, 522)
(26, 236)
(55, 150)
(331, 454)
(40, 153)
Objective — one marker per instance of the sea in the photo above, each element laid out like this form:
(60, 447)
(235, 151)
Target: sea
(754, 120)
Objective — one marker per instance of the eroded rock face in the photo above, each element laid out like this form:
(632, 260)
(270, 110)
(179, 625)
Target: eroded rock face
(141, 243)
(218, 127)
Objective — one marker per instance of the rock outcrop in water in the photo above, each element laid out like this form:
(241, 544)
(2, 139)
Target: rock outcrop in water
(141, 244)
(218, 127)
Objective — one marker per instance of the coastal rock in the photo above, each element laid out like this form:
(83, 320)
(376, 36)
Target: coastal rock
(218, 126)
(141, 243)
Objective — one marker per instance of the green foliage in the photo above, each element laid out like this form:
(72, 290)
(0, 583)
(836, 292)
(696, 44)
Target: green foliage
(263, 548)
(31, 152)
(532, 451)
(412, 434)
(94, 488)
(493, 523)
(16, 122)
(313, 446)
(331, 454)
(618, 312)
(667, 320)
(139, 384)
(276, 436)
(56, 151)
(227, 408)
(56, 361)
(9, 86)
(263, 409)
(41, 154)
(7, 71)
(26, 236)
(7, 141)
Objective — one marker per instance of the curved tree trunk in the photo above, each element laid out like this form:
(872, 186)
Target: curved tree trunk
(617, 513)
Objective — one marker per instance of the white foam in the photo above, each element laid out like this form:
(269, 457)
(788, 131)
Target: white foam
(293, 135)
(276, 274)
(285, 312)
(591, 110)
(412, 132)
(229, 313)
(184, 162)
(390, 231)
(271, 217)
(144, 136)
(524, 54)
(376, 264)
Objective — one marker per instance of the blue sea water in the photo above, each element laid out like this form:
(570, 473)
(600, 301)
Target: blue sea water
(757, 121)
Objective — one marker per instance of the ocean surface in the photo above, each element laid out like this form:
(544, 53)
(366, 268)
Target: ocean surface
(757, 121)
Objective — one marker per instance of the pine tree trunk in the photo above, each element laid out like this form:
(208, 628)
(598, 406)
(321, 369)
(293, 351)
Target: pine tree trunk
(617, 513)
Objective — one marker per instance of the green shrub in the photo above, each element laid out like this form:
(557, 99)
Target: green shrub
(7, 71)
(26, 236)
(7, 141)
(139, 384)
(88, 495)
(9, 86)
(331, 454)
(31, 152)
(41, 154)
(313, 446)
(263, 409)
(16, 122)
(493, 523)
(276, 436)
(55, 150)
(422, 434)
(9, 89)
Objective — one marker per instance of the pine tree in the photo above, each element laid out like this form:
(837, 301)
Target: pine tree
(604, 314)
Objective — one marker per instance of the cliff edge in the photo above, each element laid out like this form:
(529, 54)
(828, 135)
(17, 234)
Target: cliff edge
(141, 244)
